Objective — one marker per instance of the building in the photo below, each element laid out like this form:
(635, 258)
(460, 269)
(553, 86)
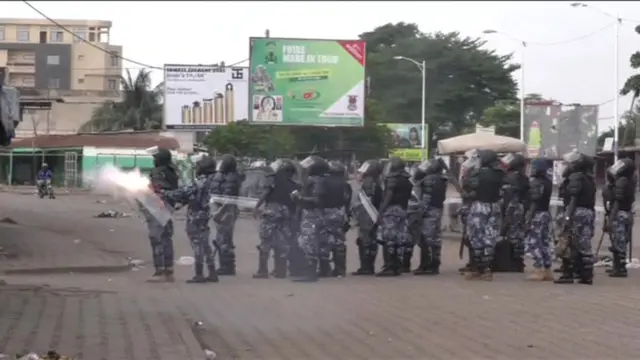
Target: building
(45, 62)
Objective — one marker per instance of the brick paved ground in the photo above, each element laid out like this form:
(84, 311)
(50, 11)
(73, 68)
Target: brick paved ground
(353, 318)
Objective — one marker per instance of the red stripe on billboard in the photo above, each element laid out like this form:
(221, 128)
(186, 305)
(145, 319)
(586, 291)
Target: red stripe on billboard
(357, 49)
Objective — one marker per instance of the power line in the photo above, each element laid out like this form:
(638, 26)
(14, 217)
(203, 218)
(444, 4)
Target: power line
(98, 47)
(581, 37)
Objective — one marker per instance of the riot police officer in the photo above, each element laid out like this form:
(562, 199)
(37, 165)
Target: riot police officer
(538, 221)
(227, 182)
(433, 191)
(196, 196)
(483, 186)
(312, 200)
(469, 159)
(579, 217)
(414, 219)
(619, 196)
(392, 215)
(515, 193)
(275, 225)
(369, 177)
(337, 214)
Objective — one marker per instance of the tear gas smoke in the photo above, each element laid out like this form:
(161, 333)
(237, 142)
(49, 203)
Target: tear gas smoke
(131, 186)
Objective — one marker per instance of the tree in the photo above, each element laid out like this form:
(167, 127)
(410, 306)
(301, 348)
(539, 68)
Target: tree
(462, 78)
(632, 86)
(140, 108)
(244, 139)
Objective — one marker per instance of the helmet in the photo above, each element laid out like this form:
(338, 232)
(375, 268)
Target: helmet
(337, 168)
(162, 157)
(206, 165)
(514, 161)
(227, 164)
(370, 168)
(315, 165)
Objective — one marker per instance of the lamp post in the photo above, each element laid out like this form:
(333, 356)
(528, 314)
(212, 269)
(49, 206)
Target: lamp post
(423, 125)
(524, 46)
(616, 85)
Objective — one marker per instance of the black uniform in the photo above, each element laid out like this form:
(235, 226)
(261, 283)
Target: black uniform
(393, 229)
(370, 188)
(311, 202)
(227, 182)
(619, 196)
(579, 217)
(337, 214)
(514, 204)
(433, 189)
(164, 176)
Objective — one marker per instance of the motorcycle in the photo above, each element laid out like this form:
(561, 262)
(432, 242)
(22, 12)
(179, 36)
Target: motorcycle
(44, 189)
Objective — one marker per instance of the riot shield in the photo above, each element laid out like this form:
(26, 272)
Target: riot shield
(256, 181)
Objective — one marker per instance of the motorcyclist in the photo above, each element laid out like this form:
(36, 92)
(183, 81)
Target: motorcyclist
(44, 179)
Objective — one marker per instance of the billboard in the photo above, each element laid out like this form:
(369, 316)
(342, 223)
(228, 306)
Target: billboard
(552, 129)
(203, 96)
(406, 141)
(307, 82)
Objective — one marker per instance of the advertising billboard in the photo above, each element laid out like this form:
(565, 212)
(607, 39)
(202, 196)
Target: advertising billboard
(406, 141)
(203, 96)
(552, 129)
(307, 82)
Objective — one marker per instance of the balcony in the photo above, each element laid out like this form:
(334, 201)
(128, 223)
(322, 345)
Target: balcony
(21, 68)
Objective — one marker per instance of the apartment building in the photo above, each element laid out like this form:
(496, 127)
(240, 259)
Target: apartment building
(48, 63)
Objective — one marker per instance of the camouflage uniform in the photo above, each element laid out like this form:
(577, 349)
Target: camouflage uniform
(197, 196)
(414, 236)
(539, 240)
(483, 228)
(275, 232)
(311, 237)
(334, 219)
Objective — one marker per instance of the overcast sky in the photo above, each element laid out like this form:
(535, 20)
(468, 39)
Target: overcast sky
(580, 71)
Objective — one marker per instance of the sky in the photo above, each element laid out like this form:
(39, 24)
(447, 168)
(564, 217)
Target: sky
(569, 54)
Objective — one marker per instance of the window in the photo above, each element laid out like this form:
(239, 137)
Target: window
(56, 36)
(80, 57)
(81, 34)
(1, 33)
(54, 83)
(29, 81)
(115, 59)
(92, 37)
(112, 84)
(53, 59)
(80, 81)
(29, 57)
(22, 34)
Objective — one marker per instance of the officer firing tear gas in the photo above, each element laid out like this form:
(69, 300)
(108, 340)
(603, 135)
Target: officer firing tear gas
(312, 199)
(275, 225)
(538, 221)
(432, 193)
(483, 186)
(164, 176)
(337, 215)
(226, 182)
(196, 196)
(619, 196)
(369, 177)
(574, 244)
(515, 194)
(414, 219)
(392, 216)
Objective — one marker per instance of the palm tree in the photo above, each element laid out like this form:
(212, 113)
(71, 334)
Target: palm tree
(140, 108)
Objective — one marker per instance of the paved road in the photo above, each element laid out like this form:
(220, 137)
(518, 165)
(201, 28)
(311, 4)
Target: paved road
(352, 318)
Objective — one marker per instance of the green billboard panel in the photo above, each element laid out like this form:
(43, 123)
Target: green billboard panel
(307, 82)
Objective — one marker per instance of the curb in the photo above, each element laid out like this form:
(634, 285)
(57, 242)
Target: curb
(68, 269)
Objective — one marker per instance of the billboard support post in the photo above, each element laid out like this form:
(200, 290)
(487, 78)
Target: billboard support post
(423, 121)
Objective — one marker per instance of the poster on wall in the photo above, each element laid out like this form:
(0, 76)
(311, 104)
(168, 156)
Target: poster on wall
(307, 82)
(204, 96)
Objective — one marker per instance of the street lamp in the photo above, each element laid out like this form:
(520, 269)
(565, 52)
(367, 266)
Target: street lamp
(524, 46)
(616, 85)
(423, 125)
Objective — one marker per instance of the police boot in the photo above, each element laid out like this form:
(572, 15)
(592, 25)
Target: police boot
(227, 265)
(280, 266)
(362, 256)
(476, 270)
(157, 276)
(585, 271)
(425, 261)
(199, 277)
(469, 265)
(567, 273)
(213, 274)
(168, 275)
(324, 270)
(406, 260)
(434, 266)
(263, 271)
(339, 263)
(391, 264)
(310, 274)
(619, 269)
